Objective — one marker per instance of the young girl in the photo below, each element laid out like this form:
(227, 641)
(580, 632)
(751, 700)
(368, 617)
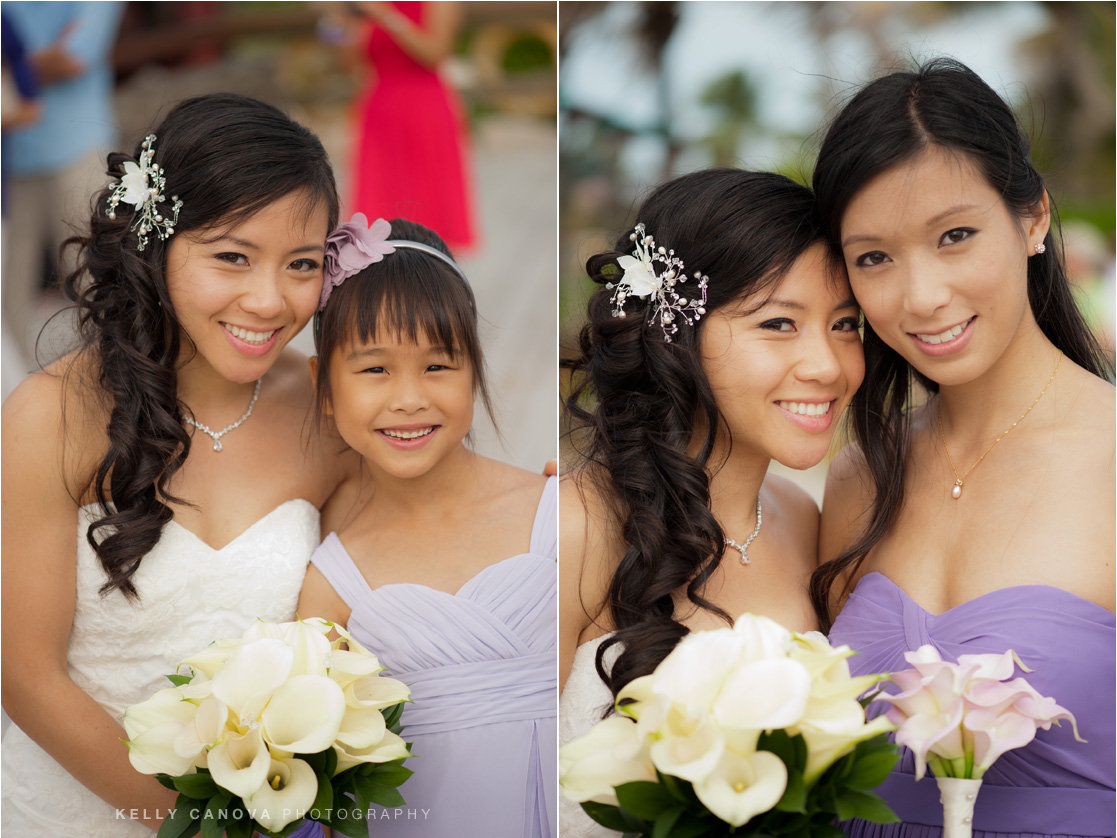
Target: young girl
(166, 454)
(448, 570)
(673, 524)
(975, 512)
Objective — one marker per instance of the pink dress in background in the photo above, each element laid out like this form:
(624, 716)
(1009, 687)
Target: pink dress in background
(412, 145)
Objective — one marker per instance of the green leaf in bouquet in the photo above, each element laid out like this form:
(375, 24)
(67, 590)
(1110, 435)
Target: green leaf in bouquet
(795, 795)
(825, 830)
(166, 780)
(390, 773)
(680, 789)
(179, 680)
(180, 823)
(865, 805)
(870, 770)
(606, 815)
(645, 800)
(216, 814)
(392, 715)
(689, 826)
(666, 822)
(387, 796)
(324, 800)
(242, 828)
(199, 786)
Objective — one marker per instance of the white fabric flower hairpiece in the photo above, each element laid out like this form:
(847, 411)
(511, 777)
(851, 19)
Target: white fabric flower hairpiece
(641, 280)
(142, 186)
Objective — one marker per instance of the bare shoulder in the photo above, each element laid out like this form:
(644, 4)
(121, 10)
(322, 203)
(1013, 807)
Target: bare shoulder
(590, 545)
(57, 415)
(796, 515)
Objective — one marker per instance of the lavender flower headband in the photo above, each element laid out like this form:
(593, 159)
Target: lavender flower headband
(355, 245)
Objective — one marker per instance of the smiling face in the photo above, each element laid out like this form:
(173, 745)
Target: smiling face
(783, 373)
(403, 405)
(939, 265)
(241, 293)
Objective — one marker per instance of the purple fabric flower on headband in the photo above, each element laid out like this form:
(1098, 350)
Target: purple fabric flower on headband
(351, 248)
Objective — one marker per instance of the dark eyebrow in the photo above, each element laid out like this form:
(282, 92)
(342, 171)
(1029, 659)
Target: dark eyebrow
(931, 222)
(247, 245)
(794, 306)
(370, 351)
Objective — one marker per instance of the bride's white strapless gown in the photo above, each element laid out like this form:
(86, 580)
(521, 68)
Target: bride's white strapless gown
(584, 698)
(120, 651)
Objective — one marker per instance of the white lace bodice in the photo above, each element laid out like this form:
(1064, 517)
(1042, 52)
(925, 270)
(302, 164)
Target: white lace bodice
(584, 698)
(120, 651)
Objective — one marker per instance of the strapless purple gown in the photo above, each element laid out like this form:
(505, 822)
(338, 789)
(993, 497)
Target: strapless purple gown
(1054, 786)
(482, 665)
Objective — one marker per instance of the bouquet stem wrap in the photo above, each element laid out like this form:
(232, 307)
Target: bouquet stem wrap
(958, 797)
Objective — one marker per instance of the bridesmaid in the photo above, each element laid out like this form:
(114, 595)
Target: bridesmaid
(975, 511)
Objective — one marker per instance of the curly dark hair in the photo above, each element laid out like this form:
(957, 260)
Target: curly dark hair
(227, 157)
(405, 293)
(942, 104)
(639, 403)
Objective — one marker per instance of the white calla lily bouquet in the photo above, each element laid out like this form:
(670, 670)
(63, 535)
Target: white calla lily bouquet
(750, 730)
(259, 732)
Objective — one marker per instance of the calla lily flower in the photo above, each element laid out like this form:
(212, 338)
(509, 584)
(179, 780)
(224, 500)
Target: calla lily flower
(205, 730)
(285, 796)
(742, 787)
(611, 754)
(389, 748)
(687, 749)
(240, 762)
(304, 714)
(960, 717)
(376, 692)
(153, 751)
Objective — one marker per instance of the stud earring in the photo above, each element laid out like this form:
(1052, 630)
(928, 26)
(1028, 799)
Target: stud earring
(1040, 247)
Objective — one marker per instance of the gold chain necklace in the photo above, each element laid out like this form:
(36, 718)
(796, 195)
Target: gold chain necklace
(956, 491)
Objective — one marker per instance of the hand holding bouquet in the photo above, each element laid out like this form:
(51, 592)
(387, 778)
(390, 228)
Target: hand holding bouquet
(271, 726)
(752, 730)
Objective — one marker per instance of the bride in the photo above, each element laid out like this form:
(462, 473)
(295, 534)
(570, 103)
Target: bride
(672, 524)
(150, 453)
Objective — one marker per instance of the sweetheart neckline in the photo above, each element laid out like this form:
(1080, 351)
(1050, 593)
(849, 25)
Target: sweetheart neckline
(453, 595)
(986, 595)
(235, 538)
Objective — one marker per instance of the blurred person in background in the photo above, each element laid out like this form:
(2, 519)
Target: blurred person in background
(1090, 270)
(411, 149)
(52, 165)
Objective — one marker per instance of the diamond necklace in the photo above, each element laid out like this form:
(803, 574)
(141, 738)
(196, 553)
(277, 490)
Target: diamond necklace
(956, 491)
(744, 548)
(218, 434)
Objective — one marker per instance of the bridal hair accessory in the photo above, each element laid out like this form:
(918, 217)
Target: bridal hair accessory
(956, 491)
(743, 549)
(355, 245)
(142, 186)
(1041, 247)
(218, 434)
(641, 280)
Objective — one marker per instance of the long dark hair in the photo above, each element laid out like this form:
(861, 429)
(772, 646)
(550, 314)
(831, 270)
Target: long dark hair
(227, 157)
(651, 399)
(942, 104)
(407, 293)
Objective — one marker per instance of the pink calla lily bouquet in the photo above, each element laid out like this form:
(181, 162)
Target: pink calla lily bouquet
(750, 730)
(262, 731)
(958, 718)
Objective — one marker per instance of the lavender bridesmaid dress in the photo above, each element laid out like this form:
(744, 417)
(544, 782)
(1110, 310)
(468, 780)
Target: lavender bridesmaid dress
(482, 666)
(1054, 786)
